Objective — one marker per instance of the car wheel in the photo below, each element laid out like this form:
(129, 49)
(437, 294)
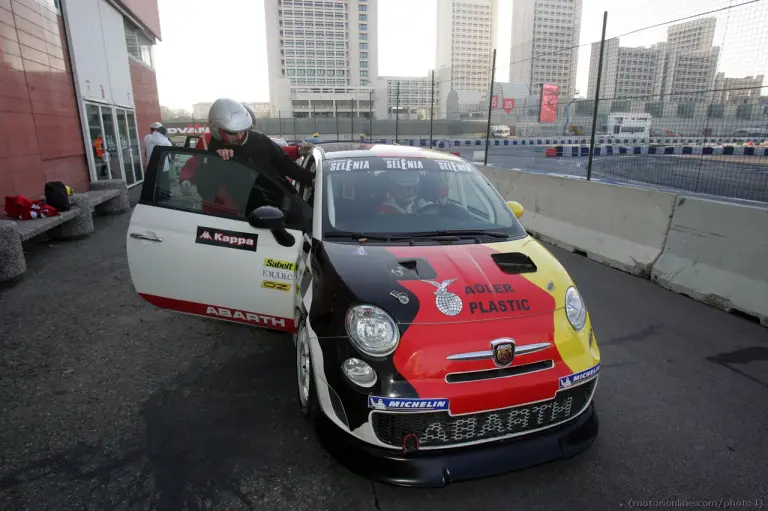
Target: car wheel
(305, 374)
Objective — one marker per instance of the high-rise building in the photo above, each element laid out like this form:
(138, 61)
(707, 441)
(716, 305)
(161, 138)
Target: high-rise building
(411, 95)
(627, 72)
(466, 34)
(683, 68)
(545, 40)
(322, 56)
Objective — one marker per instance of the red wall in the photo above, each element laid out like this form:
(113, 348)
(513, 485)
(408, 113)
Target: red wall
(40, 133)
(147, 12)
(145, 96)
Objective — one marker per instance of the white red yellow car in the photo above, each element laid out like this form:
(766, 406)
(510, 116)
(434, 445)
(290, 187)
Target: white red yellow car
(435, 340)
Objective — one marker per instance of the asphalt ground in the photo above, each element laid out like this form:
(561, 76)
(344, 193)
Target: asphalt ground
(110, 403)
(737, 177)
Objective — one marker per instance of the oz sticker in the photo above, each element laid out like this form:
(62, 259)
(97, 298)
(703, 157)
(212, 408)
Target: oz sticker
(277, 286)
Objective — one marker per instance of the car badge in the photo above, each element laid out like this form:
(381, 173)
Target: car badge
(361, 251)
(503, 353)
(448, 303)
(551, 286)
(397, 271)
(402, 297)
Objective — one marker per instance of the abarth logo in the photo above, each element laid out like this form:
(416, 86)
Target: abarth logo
(503, 353)
(229, 239)
(448, 303)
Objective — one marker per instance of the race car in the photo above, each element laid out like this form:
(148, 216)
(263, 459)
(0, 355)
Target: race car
(436, 341)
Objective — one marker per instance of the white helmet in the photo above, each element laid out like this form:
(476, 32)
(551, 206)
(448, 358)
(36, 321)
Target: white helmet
(405, 184)
(228, 117)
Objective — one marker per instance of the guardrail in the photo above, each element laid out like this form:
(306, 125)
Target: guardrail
(712, 251)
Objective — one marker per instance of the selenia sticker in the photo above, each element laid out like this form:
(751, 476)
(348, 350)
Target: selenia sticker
(229, 239)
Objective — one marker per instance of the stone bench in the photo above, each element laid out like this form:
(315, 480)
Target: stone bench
(105, 197)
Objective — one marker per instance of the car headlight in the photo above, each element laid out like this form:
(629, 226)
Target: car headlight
(575, 309)
(372, 330)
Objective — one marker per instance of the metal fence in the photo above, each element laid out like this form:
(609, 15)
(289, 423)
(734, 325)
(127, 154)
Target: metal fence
(680, 104)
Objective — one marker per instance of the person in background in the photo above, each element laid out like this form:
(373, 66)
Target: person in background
(154, 138)
(314, 139)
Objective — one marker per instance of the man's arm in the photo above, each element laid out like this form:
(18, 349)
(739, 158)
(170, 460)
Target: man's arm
(286, 165)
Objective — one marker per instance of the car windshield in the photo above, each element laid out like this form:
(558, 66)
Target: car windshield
(412, 196)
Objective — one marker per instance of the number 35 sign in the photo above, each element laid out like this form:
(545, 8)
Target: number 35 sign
(507, 104)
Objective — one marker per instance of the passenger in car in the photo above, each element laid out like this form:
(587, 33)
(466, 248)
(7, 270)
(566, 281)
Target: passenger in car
(402, 197)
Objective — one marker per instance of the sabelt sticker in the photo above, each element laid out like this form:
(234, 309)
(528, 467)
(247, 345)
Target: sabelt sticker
(406, 404)
(280, 265)
(277, 286)
(229, 239)
(576, 378)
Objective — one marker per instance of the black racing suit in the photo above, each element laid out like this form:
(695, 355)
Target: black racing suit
(260, 153)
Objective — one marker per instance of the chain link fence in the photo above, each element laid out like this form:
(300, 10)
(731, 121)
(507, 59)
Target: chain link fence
(678, 104)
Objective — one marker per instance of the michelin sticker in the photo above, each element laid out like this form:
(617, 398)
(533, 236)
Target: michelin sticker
(406, 404)
(575, 379)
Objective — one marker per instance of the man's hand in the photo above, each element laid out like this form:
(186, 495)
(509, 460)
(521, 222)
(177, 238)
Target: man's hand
(225, 154)
(186, 187)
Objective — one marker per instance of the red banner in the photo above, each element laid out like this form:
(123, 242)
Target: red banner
(549, 99)
(508, 105)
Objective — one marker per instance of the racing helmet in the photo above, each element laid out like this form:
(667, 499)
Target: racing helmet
(229, 120)
(252, 114)
(404, 185)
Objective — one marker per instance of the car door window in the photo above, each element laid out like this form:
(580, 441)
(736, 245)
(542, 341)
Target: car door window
(201, 182)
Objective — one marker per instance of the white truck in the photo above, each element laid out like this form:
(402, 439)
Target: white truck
(628, 124)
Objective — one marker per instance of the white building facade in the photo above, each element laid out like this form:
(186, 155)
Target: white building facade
(466, 34)
(414, 98)
(545, 39)
(322, 57)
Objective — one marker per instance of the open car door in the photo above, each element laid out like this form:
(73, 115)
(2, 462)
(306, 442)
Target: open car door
(217, 239)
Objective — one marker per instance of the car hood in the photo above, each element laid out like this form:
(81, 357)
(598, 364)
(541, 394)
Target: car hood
(439, 284)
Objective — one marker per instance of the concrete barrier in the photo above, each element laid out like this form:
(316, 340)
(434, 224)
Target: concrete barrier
(622, 227)
(717, 253)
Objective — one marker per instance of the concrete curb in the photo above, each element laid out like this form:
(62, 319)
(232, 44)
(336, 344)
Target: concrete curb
(12, 262)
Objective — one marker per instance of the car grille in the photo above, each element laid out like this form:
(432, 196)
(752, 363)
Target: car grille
(439, 429)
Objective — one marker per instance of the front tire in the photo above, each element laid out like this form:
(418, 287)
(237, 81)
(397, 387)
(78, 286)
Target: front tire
(305, 374)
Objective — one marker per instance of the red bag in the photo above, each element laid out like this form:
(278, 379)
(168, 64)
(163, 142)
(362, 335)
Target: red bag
(19, 207)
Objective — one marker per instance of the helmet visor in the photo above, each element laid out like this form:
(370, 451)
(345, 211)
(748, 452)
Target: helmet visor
(232, 137)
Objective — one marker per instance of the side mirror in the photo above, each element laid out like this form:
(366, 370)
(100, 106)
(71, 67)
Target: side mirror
(516, 208)
(269, 217)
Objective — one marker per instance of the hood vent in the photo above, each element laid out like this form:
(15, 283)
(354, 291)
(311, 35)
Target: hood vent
(514, 263)
(420, 268)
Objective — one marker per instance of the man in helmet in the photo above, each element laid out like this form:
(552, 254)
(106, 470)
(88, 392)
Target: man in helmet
(232, 136)
(403, 192)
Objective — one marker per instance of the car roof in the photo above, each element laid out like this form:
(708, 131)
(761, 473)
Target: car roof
(334, 150)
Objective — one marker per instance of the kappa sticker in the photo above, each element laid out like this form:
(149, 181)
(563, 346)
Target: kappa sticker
(277, 286)
(574, 379)
(229, 239)
(406, 404)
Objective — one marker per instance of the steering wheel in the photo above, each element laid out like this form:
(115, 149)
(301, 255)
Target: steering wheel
(431, 209)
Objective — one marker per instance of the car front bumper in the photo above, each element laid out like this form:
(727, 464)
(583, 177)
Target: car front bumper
(437, 468)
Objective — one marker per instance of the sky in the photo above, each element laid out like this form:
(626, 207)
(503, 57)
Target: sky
(205, 54)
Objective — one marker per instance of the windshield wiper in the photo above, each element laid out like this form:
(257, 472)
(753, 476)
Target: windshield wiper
(358, 236)
(456, 233)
